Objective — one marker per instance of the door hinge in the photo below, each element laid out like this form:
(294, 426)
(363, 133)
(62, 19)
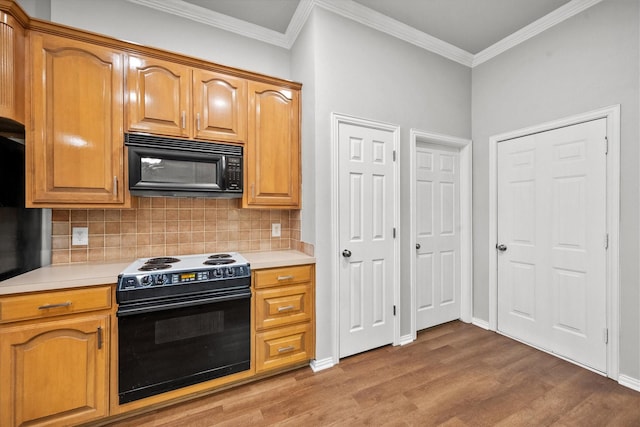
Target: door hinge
(606, 241)
(394, 310)
(394, 232)
(394, 155)
(605, 335)
(606, 145)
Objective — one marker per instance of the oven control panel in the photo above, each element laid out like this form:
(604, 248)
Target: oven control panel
(182, 277)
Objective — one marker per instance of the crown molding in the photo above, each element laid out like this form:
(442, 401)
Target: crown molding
(298, 20)
(557, 16)
(218, 20)
(365, 16)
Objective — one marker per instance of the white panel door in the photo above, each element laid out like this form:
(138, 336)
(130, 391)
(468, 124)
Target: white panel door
(552, 241)
(366, 217)
(438, 235)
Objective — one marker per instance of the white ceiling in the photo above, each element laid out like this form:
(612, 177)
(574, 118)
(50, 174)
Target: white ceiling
(272, 14)
(472, 25)
(466, 31)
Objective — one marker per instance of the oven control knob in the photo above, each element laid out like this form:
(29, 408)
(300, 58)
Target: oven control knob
(230, 272)
(217, 273)
(130, 282)
(146, 280)
(160, 280)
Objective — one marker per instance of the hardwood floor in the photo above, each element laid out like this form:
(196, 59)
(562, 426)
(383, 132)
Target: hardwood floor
(453, 375)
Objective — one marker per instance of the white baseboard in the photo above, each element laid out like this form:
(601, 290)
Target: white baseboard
(322, 364)
(632, 383)
(480, 323)
(406, 339)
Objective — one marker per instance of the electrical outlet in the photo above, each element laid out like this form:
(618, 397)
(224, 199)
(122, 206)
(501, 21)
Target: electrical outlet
(275, 230)
(80, 236)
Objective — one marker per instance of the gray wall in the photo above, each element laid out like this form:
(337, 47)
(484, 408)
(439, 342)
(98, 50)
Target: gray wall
(40, 9)
(362, 72)
(585, 63)
(128, 21)
(303, 69)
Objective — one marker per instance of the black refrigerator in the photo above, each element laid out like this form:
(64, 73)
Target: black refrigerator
(25, 242)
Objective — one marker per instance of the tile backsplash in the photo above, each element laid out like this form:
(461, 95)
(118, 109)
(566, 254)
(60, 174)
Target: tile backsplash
(172, 226)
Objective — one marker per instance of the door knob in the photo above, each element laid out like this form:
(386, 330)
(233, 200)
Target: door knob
(418, 246)
(501, 248)
(346, 253)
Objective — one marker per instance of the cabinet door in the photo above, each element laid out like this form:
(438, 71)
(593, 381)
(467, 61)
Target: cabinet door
(159, 97)
(219, 106)
(12, 73)
(272, 154)
(54, 373)
(75, 155)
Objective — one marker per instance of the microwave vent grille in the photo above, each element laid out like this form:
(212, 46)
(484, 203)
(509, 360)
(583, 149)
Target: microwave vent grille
(181, 144)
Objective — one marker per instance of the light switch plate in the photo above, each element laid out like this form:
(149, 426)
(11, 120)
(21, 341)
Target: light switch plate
(80, 236)
(275, 230)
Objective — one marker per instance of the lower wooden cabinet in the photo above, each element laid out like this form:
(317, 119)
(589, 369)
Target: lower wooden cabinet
(55, 372)
(58, 348)
(284, 317)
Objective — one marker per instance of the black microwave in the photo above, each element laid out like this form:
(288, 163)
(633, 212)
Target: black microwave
(160, 166)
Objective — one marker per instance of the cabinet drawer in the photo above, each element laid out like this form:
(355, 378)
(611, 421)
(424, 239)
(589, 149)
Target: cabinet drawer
(282, 276)
(55, 303)
(283, 306)
(282, 347)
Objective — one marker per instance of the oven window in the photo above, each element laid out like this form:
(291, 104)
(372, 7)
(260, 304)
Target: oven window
(177, 171)
(168, 349)
(187, 327)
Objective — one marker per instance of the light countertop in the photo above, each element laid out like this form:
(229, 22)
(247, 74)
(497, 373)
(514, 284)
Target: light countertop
(88, 274)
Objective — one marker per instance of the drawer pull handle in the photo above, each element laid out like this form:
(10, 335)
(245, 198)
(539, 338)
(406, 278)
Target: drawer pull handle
(287, 348)
(48, 306)
(285, 308)
(285, 277)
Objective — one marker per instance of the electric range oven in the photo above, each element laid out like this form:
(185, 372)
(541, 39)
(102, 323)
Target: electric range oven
(182, 321)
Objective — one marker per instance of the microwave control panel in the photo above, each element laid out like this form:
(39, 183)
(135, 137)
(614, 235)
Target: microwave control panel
(234, 173)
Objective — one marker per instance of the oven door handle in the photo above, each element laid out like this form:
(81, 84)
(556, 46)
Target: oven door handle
(153, 306)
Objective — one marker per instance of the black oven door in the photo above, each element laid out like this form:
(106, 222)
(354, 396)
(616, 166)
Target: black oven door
(167, 349)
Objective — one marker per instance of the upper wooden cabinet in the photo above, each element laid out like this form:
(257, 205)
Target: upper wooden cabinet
(220, 106)
(159, 97)
(272, 153)
(75, 150)
(170, 99)
(12, 75)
